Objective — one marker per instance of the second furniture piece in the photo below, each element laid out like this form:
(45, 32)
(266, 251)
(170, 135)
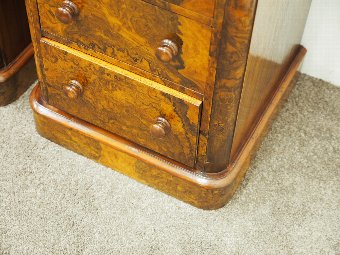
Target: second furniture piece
(17, 67)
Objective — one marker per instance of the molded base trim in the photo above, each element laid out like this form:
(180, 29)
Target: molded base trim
(17, 76)
(206, 191)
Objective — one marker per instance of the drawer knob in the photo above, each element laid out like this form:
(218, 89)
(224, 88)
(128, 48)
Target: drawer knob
(67, 12)
(161, 128)
(73, 90)
(167, 51)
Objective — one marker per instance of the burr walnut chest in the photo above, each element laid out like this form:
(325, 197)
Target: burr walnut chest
(173, 93)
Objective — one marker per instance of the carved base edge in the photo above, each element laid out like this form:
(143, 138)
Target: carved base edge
(206, 191)
(17, 77)
(125, 157)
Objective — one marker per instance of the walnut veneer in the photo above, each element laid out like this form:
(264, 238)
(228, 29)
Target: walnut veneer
(175, 94)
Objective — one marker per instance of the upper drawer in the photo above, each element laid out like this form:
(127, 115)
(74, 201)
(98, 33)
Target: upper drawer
(145, 112)
(134, 32)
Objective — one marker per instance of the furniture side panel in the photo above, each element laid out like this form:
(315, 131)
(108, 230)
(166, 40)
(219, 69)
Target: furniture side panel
(278, 30)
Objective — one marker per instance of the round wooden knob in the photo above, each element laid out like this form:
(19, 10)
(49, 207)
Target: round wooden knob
(167, 51)
(73, 90)
(161, 128)
(67, 12)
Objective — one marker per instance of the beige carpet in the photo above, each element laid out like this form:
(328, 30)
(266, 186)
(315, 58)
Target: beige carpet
(53, 201)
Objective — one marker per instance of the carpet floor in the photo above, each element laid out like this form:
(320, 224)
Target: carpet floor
(53, 201)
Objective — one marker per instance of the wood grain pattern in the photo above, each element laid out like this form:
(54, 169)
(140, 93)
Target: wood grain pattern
(107, 27)
(209, 191)
(34, 25)
(109, 52)
(205, 7)
(122, 102)
(199, 10)
(270, 54)
(215, 48)
(126, 157)
(231, 64)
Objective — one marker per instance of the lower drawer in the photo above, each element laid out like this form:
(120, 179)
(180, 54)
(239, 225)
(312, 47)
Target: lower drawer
(145, 112)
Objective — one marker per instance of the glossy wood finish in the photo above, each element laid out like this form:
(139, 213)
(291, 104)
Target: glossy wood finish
(161, 128)
(201, 11)
(167, 51)
(231, 64)
(17, 77)
(14, 31)
(17, 70)
(17, 64)
(107, 27)
(73, 90)
(33, 14)
(206, 191)
(67, 12)
(204, 7)
(122, 156)
(214, 54)
(270, 54)
(234, 56)
(121, 102)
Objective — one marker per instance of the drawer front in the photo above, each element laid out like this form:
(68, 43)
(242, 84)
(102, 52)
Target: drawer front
(135, 32)
(143, 111)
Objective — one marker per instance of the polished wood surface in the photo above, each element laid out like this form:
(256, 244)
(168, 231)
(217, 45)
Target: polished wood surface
(17, 77)
(121, 102)
(18, 63)
(201, 11)
(14, 31)
(161, 128)
(33, 14)
(73, 89)
(205, 7)
(231, 64)
(182, 67)
(206, 191)
(107, 27)
(126, 157)
(167, 51)
(270, 53)
(67, 12)
(17, 70)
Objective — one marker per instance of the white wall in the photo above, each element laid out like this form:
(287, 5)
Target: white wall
(322, 39)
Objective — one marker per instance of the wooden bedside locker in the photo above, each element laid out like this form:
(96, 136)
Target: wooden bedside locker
(175, 94)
